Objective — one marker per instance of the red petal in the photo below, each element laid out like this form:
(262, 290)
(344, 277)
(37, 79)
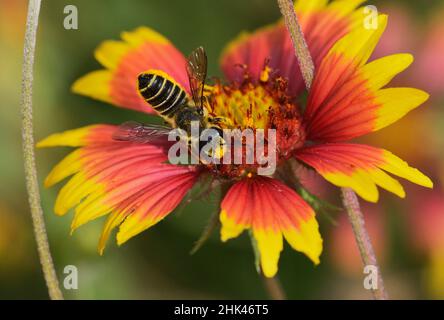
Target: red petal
(127, 179)
(361, 168)
(322, 28)
(140, 50)
(273, 211)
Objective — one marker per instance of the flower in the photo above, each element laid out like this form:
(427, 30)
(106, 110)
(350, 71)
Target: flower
(430, 63)
(136, 188)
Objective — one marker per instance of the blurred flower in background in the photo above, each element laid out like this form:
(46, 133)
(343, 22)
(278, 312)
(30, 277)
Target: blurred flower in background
(14, 230)
(426, 215)
(430, 62)
(401, 22)
(12, 18)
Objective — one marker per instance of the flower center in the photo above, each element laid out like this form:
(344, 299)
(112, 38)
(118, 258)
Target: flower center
(244, 106)
(258, 105)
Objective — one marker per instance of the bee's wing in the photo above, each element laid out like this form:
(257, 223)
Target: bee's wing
(197, 73)
(141, 133)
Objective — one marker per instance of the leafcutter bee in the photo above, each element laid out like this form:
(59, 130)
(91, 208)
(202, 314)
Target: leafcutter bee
(170, 100)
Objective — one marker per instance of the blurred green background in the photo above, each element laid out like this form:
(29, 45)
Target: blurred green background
(157, 263)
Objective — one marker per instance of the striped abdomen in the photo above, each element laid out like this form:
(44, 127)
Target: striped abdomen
(162, 93)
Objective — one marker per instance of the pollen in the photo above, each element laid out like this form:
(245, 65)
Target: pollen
(265, 74)
(258, 105)
(247, 106)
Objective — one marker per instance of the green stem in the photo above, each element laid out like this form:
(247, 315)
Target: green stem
(28, 153)
(350, 200)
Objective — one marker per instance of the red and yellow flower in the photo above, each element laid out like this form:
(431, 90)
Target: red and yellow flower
(136, 188)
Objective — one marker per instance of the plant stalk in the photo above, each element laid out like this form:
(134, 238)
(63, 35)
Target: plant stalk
(349, 198)
(356, 218)
(297, 37)
(32, 185)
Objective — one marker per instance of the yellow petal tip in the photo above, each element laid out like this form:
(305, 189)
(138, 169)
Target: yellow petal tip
(95, 85)
(428, 183)
(230, 228)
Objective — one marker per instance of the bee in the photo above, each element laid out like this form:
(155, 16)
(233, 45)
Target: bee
(170, 100)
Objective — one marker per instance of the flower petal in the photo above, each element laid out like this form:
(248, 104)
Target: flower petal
(131, 181)
(273, 211)
(310, 6)
(360, 167)
(141, 49)
(346, 99)
(322, 25)
(72, 138)
(162, 196)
